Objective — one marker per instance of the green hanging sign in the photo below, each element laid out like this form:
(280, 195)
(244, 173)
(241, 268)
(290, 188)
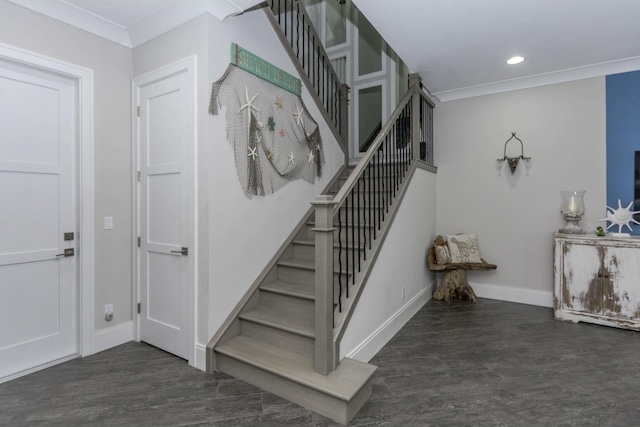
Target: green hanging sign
(255, 65)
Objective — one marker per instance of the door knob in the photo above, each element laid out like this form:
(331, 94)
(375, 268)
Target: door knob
(183, 251)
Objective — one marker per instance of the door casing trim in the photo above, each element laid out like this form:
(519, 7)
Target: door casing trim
(188, 65)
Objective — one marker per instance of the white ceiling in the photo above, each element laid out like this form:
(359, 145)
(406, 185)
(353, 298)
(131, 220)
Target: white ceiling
(123, 13)
(133, 22)
(459, 47)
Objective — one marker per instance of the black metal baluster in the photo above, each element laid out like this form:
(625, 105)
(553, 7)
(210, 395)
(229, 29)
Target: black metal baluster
(298, 31)
(339, 260)
(390, 178)
(369, 221)
(359, 229)
(353, 241)
(291, 25)
(284, 18)
(379, 179)
(395, 164)
(304, 38)
(346, 235)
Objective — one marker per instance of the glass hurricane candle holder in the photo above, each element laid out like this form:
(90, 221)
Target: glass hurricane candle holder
(572, 209)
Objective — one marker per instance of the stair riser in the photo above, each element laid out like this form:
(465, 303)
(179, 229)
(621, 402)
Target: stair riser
(304, 251)
(331, 407)
(289, 305)
(297, 275)
(287, 340)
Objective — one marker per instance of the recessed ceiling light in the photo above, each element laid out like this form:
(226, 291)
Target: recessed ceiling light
(515, 60)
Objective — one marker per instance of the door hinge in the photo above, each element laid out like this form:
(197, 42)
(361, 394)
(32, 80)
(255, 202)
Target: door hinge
(138, 111)
(138, 241)
(138, 176)
(138, 308)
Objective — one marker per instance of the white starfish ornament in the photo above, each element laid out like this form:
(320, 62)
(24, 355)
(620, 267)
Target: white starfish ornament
(298, 116)
(252, 153)
(621, 216)
(249, 105)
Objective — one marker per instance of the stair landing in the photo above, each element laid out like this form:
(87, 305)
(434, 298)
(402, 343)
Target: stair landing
(338, 395)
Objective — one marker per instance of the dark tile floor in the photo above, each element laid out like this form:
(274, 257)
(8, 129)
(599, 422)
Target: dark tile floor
(460, 364)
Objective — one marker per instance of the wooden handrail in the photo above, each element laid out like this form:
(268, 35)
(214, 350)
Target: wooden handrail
(366, 159)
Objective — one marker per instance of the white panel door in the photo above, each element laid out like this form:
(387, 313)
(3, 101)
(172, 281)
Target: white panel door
(164, 140)
(38, 284)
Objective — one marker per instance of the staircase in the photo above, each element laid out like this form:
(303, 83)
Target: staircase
(284, 336)
(271, 343)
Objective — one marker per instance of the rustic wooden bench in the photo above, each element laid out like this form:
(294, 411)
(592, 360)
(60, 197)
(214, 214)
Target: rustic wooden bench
(454, 282)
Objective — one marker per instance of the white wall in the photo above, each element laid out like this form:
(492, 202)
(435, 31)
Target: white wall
(381, 311)
(112, 65)
(237, 236)
(515, 216)
(246, 233)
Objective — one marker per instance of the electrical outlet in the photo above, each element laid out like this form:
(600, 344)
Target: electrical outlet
(402, 293)
(108, 312)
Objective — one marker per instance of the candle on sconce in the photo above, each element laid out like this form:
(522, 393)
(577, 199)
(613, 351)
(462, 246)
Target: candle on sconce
(573, 206)
(572, 209)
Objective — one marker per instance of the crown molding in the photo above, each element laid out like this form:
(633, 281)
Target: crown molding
(562, 76)
(165, 19)
(78, 18)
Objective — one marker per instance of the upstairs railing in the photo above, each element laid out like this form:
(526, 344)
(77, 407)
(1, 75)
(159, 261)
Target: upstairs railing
(354, 219)
(313, 63)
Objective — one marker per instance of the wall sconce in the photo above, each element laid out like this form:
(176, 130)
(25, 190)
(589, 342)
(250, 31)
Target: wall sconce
(513, 161)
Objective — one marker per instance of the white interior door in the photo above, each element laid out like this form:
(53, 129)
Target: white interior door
(165, 142)
(38, 284)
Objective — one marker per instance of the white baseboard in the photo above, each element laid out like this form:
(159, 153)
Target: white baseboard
(374, 342)
(37, 368)
(522, 296)
(201, 357)
(110, 337)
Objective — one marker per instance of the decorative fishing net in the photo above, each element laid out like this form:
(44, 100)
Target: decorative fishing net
(274, 138)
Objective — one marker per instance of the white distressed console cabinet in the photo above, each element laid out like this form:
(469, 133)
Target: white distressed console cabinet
(597, 280)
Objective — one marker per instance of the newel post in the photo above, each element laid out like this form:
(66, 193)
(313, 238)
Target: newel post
(415, 83)
(324, 283)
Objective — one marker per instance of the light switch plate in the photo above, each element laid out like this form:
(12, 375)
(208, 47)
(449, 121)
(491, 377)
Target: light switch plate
(108, 223)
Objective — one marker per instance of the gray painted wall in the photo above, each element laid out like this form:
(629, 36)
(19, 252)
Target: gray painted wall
(112, 66)
(514, 216)
(381, 310)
